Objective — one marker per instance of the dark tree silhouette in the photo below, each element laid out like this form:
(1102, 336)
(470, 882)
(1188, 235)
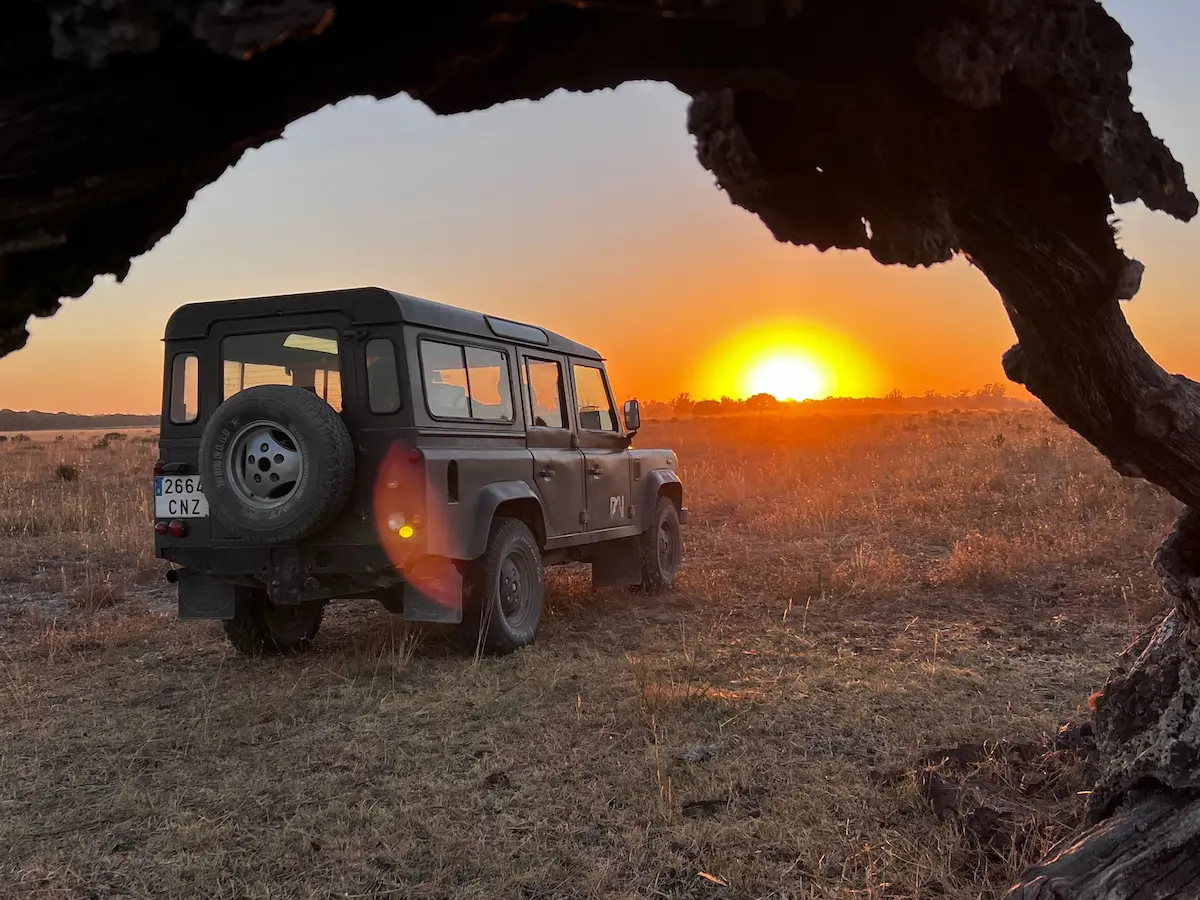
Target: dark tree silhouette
(998, 129)
(760, 402)
(992, 391)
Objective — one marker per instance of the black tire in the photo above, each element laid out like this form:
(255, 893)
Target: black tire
(307, 428)
(661, 548)
(498, 615)
(262, 628)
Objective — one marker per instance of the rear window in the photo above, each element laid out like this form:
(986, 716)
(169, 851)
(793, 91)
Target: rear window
(307, 359)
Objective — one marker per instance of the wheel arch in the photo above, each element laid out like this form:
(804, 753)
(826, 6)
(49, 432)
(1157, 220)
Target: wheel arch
(659, 483)
(505, 499)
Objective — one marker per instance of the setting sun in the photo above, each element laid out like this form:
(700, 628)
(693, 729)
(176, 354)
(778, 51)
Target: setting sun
(789, 360)
(787, 377)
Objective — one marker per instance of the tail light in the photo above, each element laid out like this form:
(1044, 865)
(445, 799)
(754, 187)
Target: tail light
(177, 529)
(414, 455)
(161, 528)
(397, 524)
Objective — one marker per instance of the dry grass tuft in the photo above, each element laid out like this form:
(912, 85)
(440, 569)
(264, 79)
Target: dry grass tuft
(860, 589)
(64, 472)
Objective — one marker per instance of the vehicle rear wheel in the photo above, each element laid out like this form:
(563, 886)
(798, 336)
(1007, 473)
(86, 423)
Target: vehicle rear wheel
(503, 590)
(262, 628)
(661, 548)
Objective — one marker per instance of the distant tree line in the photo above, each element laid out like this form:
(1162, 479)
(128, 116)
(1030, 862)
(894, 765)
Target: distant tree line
(991, 396)
(35, 420)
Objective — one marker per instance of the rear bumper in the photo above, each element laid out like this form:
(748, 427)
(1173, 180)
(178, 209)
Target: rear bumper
(358, 561)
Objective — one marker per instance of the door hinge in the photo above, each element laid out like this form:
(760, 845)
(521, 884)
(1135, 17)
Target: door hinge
(583, 517)
(632, 511)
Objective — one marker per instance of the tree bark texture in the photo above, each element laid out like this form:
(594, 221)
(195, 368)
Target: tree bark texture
(1149, 850)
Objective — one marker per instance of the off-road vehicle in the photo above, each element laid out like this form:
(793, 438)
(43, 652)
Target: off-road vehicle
(362, 443)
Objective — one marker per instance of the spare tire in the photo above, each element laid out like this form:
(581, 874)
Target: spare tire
(277, 463)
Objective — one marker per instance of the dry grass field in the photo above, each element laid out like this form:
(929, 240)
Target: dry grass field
(859, 590)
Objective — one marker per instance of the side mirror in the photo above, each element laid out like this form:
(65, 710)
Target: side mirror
(633, 416)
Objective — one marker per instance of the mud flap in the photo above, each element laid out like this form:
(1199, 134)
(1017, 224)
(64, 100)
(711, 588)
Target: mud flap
(204, 597)
(433, 592)
(617, 562)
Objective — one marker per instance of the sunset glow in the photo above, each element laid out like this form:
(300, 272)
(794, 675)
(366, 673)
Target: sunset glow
(788, 377)
(788, 359)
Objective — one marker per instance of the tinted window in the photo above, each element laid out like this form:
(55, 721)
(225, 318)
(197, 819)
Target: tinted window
(383, 382)
(185, 388)
(489, 386)
(305, 359)
(466, 382)
(444, 368)
(596, 412)
(544, 384)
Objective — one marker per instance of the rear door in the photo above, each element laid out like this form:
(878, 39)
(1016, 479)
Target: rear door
(315, 351)
(606, 462)
(557, 464)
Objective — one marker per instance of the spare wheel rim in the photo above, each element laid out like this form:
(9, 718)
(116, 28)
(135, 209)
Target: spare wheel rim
(264, 465)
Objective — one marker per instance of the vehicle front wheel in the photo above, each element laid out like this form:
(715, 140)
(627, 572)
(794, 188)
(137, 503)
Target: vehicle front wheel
(262, 628)
(503, 590)
(662, 548)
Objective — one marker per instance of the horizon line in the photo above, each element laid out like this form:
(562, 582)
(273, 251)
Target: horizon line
(929, 396)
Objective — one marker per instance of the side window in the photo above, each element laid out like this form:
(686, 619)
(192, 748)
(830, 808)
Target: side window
(383, 382)
(466, 382)
(185, 388)
(544, 384)
(596, 412)
(444, 369)
(489, 385)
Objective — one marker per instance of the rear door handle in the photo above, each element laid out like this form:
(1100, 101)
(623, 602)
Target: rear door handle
(594, 471)
(546, 474)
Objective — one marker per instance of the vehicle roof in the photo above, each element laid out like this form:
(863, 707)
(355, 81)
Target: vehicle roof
(365, 306)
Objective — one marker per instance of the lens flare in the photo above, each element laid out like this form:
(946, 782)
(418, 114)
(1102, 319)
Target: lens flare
(411, 529)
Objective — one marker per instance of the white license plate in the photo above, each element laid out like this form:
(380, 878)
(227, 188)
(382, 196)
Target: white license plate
(179, 497)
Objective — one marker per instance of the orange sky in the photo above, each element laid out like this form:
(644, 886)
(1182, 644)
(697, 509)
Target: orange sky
(590, 215)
